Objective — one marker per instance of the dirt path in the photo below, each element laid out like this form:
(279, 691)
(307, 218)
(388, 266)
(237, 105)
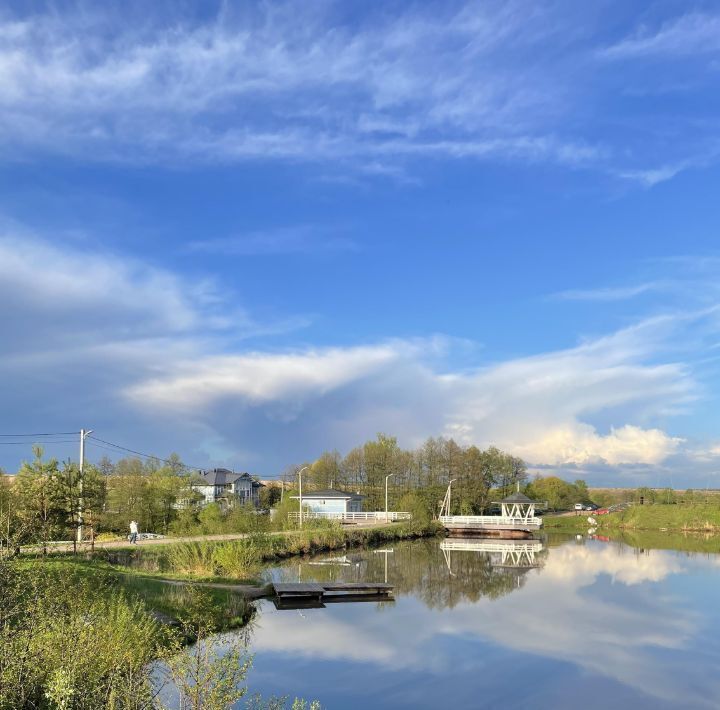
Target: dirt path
(67, 546)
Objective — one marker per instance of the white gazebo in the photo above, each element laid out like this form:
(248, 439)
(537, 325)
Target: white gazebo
(517, 506)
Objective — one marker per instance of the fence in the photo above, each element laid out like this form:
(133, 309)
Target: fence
(378, 515)
(490, 521)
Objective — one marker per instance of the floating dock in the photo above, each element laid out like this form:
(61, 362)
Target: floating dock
(316, 594)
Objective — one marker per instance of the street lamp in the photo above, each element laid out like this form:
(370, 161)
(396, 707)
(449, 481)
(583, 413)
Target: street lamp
(300, 490)
(452, 480)
(386, 495)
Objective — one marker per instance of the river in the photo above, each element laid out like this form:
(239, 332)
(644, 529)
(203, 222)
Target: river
(562, 624)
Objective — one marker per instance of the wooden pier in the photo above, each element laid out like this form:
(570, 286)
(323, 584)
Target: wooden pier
(317, 594)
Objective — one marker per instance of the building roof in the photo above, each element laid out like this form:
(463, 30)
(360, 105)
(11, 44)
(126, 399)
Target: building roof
(329, 493)
(518, 498)
(223, 476)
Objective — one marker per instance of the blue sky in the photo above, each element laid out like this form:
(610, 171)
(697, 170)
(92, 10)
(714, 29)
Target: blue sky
(251, 233)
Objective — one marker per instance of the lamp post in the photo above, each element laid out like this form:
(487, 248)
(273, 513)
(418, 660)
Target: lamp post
(300, 491)
(450, 493)
(386, 495)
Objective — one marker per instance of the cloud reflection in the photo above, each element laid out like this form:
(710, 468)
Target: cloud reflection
(604, 609)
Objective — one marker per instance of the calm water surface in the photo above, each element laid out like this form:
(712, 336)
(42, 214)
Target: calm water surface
(572, 624)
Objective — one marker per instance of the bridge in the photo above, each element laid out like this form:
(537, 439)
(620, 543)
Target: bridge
(517, 519)
(503, 553)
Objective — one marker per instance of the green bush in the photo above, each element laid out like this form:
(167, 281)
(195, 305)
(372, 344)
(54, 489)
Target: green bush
(73, 642)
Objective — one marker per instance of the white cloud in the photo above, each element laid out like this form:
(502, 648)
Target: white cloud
(156, 360)
(537, 407)
(278, 82)
(619, 293)
(643, 635)
(302, 239)
(264, 377)
(581, 444)
(688, 34)
(285, 82)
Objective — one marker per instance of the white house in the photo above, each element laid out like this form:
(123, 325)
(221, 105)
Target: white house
(227, 487)
(331, 501)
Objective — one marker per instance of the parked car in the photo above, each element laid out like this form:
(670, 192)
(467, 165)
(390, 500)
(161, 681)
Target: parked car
(592, 506)
(578, 506)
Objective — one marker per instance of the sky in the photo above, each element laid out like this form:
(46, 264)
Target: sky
(248, 233)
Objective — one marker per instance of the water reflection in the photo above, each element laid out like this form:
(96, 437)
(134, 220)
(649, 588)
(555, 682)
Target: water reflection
(476, 626)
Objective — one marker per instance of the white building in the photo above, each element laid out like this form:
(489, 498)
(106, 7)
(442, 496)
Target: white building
(331, 501)
(228, 488)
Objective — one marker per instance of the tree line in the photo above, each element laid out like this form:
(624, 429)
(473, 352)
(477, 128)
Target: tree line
(44, 502)
(49, 500)
(479, 476)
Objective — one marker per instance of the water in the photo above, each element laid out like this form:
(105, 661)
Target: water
(586, 623)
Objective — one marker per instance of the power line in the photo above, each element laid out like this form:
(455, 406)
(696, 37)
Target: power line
(26, 443)
(57, 433)
(110, 446)
(116, 447)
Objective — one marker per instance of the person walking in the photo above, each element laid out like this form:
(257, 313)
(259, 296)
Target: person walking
(133, 532)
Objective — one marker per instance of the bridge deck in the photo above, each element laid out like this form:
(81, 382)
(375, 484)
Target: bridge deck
(490, 522)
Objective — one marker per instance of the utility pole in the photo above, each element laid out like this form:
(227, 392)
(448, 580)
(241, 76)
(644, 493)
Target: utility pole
(386, 495)
(83, 433)
(300, 492)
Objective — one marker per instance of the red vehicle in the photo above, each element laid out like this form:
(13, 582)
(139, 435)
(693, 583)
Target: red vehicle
(601, 511)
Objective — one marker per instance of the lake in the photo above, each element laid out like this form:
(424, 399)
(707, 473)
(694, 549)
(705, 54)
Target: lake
(559, 624)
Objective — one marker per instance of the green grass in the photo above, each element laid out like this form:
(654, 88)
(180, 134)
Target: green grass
(689, 527)
(566, 523)
(659, 540)
(688, 517)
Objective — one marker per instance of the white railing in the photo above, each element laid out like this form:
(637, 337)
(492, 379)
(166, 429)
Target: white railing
(492, 545)
(490, 521)
(378, 515)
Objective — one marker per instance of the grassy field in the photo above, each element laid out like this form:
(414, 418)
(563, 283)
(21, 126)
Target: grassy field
(690, 527)
(698, 517)
(688, 517)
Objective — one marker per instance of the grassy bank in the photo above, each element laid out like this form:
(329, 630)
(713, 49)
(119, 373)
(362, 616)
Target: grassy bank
(693, 527)
(687, 517)
(86, 633)
(690, 517)
(240, 561)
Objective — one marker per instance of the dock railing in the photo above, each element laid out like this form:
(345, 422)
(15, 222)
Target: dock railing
(373, 516)
(491, 521)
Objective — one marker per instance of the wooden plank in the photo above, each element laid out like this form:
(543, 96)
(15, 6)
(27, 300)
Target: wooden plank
(298, 587)
(377, 587)
(354, 598)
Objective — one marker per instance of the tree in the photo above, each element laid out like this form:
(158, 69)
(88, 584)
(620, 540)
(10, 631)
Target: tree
(326, 471)
(478, 479)
(41, 511)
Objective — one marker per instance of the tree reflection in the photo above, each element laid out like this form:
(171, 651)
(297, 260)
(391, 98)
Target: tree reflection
(440, 578)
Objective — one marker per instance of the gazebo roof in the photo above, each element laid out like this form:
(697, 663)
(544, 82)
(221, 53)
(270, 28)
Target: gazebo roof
(518, 498)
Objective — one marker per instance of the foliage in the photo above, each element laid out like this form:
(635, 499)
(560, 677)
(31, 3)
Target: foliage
(209, 675)
(76, 644)
(240, 559)
(44, 503)
(425, 471)
(558, 494)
